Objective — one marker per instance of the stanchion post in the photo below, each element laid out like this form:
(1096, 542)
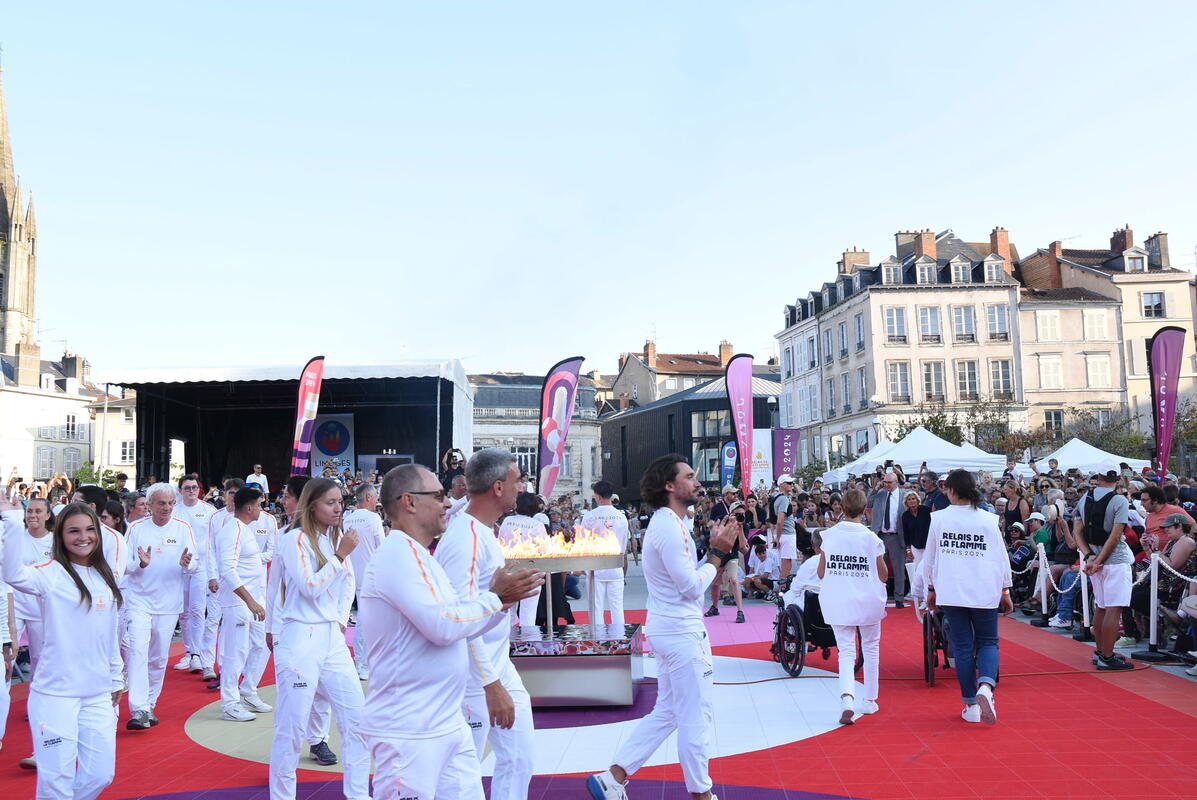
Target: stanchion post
(1152, 653)
(1086, 634)
(1041, 557)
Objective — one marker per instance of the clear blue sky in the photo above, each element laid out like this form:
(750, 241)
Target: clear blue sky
(509, 184)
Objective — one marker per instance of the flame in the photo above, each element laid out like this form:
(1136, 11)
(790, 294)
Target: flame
(585, 542)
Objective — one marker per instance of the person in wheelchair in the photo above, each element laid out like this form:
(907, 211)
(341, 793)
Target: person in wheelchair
(852, 569)
(764, 568)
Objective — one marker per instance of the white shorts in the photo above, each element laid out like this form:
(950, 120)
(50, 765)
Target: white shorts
(1111, 586)
(788, 546)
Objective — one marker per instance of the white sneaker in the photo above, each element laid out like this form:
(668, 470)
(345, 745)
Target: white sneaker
(184, 662)
(1126, 641)
(846, 709)
(971, 713)
(209, 674)
(256, 704)
(987, 704)
(363, 674)
(238, 714)
(1192, 671)
(867, 707)
(603, 786)
(195, 666)
(1056, 622)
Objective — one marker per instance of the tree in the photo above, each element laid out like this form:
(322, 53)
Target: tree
(1119, 434)
(936, 418)
(87, 475)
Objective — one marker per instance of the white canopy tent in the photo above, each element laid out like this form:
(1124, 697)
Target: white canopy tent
(840, 474)
(1087, 458)
(941, 455)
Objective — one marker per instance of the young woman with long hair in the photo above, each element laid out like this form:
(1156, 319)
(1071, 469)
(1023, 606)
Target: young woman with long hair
(113, 515)
(967, 573)
(315, 587)
(78, 682)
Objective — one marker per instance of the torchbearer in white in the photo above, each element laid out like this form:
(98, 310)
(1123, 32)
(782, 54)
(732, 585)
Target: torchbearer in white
(161, 564)
(676, 590)
(365, 520)
(213, 610)
(72, 701)
(416, 632)
(242, 594)
(497, 706)
(196, 513)
(608, 583)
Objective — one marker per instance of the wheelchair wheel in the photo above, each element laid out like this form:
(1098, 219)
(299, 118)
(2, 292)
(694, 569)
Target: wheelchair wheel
(859, 653)
(930, 645)
(791, 642)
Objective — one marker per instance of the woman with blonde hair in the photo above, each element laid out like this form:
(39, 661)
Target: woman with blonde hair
(308, 613)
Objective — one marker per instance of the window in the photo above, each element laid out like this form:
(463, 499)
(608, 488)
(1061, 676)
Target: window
(997, 318)
(1001, 379)
(926, 272)
(862, 442)
(826, 298)
(895, 325)
(899, 382)
(525, 457)
(71, 430)
(45, 463)
(858, 322)
(687, 383)
(127, 415)
(812, 392)
(827, 351)
(966, 380)
(671, 383)
(47, 382)
(71, 461)
(862, 384)
(929, 331)
(635, 396)
(891, 274)
(1153, 304)
(567, 462)
(46, 432)
(994, 271)
(1050, 372)
(1053, 423)
(843, 339)
(787, 363)
(962, 272)
(1097, 370)
(1104, 417)
(812, 352)
(846, 382)
(933, 380)
(1047, 326)
(964, 324)
(1095, 323)
(831, 397)
(1134, 264)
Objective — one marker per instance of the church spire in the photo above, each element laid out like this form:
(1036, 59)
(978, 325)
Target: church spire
(8, 176)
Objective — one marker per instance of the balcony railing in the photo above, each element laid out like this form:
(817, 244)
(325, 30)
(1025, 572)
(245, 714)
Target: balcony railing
(999, 336)
(847, 408)
(969, 397)
(830, 413)
(843, 352)
(935, 397)
(966, 337)
(931, 338)
(1003, 395)
(864, 404)
(860, 346)
(899, 398)
(896, 338)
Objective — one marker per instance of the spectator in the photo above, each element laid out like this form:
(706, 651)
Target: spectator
(886, 505)
(934, 497)
(764, 567)
(1099, 531)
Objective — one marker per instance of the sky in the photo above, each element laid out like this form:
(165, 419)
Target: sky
(511, 184)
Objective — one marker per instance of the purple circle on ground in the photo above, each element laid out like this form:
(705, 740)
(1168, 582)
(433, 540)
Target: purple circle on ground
(542, 788)
(583, 716)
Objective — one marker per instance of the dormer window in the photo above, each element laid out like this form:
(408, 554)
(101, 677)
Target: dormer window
(891, 274)
(927, 272)
(994, 271)
(826, 298)
(962, 272)
(1135, 264)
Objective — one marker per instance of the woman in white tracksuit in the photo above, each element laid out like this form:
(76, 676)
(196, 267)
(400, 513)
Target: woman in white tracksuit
(315, 587)
(37, 545)
(72, 701)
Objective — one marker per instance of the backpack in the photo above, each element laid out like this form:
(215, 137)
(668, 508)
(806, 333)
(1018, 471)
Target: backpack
(1095, 520)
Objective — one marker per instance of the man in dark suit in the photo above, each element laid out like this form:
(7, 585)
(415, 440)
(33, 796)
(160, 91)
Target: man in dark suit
(885, 503)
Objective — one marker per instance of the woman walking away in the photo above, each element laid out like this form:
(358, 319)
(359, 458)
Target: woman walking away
(315, 588)
(852, 569)
(78, 682)
(967, 573)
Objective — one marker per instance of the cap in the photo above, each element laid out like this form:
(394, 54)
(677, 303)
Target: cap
(736, 505)
(614, 498)
(1183, 520)
(1018, 525)
(784, 478)
(1170, 476)
(729, 488)
(1037, 516)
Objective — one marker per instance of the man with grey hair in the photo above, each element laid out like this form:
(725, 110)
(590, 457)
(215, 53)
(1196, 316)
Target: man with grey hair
(459, 497)
(160, 549)
(497, 706)
(416, 627)
(365, 520)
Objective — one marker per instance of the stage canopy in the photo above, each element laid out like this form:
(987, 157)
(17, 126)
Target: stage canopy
(1087, 458)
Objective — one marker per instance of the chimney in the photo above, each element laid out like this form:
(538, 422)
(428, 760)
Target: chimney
(72, 366)
(650, 354)
(1055, 251)
(725, 352)
(29, 365)
(1123, 239)
(924, 243)
(595, 375)
(623, 359)
(1157, 251)
(623, 401)
(999, 244)
(904, 243)
(852, 259)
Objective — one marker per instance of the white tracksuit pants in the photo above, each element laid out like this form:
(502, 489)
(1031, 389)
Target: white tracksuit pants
(5, 699)
(32, 628)
(685, 680)
(147, 644)
(74, 742)
(870, 645)
(195, 606)
(513, 746)
(320, 720)
(243, 654)
(443, 767)
(359, 646)
(527, 610)
(304, 656)
(608, 596)
(212, 611)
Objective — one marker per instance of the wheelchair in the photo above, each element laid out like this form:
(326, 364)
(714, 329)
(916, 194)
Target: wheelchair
(937, 646)
(797, 631)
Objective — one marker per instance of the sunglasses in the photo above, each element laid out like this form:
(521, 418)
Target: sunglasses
(438, 495)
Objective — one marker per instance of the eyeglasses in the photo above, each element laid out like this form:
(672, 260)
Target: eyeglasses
(439, 494)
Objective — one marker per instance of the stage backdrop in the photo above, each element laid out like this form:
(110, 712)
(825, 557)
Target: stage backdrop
(332, 444)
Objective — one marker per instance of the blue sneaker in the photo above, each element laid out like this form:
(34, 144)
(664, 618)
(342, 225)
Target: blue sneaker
(603, 786)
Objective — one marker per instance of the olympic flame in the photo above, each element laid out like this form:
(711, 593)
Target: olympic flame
(526, 544)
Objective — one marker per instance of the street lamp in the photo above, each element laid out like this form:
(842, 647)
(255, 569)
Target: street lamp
(877, 427)
(772, 411)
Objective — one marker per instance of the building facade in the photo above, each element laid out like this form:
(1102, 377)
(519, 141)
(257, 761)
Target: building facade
(649, 376)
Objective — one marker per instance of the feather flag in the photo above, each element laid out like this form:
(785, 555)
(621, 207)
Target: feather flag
(556, 409)
(1164, 354)
(739, 398)
(305, 415)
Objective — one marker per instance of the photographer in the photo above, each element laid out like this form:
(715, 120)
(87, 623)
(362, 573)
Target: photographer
(452, 464)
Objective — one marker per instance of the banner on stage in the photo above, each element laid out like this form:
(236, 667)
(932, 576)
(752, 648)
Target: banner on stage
(738, 378)
(762, 458)
(1164, 354)
(332, 444)
(557, 400)
(785, 451)
(727, 464)
(307, 407)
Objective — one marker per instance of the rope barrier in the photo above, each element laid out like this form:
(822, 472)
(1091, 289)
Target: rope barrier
(1170, 568)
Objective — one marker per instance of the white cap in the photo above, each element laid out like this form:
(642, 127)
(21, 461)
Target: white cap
(784, 478)
(1037, 516)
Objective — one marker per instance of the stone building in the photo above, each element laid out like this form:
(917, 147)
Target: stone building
(649, 376)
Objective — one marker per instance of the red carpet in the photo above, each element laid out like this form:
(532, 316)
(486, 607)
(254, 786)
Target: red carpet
(1079, 734)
